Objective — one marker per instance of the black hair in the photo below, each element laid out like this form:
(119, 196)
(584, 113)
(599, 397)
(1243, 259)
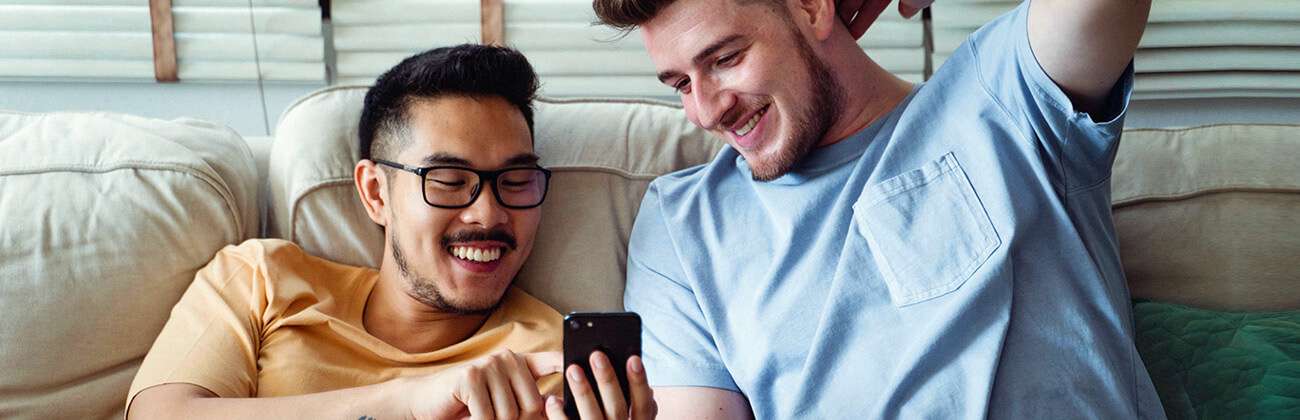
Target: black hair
(467, 69)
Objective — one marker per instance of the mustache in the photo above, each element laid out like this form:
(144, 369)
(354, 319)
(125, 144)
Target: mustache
(497, 235)
(742, 107)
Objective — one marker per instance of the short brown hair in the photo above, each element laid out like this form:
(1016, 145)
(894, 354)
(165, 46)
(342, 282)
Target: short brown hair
(626, 15)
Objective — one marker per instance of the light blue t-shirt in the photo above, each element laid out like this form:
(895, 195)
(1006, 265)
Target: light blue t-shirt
(955, 259)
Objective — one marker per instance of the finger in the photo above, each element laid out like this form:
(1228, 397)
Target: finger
(643, 397)
(918, 4)
(908, 8)
(525, 388)
(473, 392)
(583, 397)
(907, 11)
(542, 364)
(866, 17)
(503, 395)
(555, 408)
(847, 8)
(611, 394)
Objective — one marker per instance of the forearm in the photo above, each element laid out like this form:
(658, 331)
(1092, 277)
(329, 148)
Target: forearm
(380, 401)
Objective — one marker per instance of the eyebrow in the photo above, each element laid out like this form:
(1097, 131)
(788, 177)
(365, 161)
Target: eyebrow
(522, 159)
(702, 56)
(445, 159)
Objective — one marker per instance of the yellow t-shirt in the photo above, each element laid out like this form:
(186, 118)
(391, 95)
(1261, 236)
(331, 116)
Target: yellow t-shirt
(264, 319)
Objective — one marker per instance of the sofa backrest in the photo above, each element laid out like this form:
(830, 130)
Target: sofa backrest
(1207, 216)
(1210, 216)
(104, 219)
(603, 153)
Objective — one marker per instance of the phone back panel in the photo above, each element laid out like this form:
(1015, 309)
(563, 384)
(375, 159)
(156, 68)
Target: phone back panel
(617, 334)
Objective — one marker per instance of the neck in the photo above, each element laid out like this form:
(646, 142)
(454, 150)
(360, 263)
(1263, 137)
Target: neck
(870, 92)
(394, 316)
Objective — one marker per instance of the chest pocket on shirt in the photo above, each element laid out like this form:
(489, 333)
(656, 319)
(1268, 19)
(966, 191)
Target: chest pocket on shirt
(927, 230)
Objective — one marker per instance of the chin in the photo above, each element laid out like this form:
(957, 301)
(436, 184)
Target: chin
(479, 290)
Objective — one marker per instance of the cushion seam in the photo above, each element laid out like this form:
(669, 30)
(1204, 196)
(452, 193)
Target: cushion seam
(541, 99)
(1147, 198)
(226, 195)
(1206, 126)
(298, 197)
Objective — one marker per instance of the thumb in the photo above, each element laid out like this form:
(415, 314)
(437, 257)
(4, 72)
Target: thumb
(546, 363)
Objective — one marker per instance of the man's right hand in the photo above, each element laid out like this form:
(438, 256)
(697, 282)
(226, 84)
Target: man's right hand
(499, 386)
(859, 15)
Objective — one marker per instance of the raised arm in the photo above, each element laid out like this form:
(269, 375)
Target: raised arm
(1085, 45)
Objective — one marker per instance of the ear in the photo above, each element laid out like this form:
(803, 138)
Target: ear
(819, 15)
(372, 186)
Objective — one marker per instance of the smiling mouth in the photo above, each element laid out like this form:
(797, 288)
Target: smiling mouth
(475, 254)
(753, 122)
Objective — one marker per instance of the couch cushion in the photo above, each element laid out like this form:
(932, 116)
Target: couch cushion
(603, 153)
(106, 219)
(1221, 365)
(1210, 216)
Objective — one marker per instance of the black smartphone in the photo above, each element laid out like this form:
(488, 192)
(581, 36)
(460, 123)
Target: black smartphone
(617, 334)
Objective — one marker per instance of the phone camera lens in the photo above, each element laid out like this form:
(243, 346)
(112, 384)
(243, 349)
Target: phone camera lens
(574, 325)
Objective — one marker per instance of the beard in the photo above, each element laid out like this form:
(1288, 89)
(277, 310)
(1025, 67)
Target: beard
(811, 125)
(427, 291)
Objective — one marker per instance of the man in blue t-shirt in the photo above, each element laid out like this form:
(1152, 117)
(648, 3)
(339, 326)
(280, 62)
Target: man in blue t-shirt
(866, 248)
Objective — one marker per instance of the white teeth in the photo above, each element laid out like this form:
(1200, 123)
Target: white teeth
(749, 126)
(476, 254)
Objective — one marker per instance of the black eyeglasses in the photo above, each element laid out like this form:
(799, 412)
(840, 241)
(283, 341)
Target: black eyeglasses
(457, 187)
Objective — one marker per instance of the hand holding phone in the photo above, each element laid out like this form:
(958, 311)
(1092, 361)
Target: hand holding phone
(604, 377)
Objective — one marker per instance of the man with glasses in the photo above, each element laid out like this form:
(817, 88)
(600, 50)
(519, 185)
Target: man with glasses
(447, 170)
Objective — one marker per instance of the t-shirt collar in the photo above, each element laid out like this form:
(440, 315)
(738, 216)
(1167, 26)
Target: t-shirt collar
(826, 158)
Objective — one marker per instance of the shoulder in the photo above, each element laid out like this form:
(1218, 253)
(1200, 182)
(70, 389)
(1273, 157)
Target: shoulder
(261, 252)
(266, 266)
(696, 182)
(992, 49)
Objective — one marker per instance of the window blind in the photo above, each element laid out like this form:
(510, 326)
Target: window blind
(113, 39)
(572, 55)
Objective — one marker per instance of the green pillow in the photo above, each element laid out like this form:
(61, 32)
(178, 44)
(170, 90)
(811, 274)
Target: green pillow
(1221, 365)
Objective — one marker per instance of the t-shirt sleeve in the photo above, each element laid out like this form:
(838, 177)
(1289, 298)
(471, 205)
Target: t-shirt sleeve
(677, 345)
(1079, 147)
(213, 335)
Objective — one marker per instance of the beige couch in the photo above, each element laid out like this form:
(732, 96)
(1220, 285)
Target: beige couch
(105, 218)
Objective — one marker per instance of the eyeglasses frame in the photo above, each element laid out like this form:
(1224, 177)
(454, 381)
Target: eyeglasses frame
(484, 177)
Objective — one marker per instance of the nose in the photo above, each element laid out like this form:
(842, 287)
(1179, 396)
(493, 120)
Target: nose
(710, 104)
(485, 211)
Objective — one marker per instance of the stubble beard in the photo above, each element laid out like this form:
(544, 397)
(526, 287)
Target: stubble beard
(426, 291)
(814, 122)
